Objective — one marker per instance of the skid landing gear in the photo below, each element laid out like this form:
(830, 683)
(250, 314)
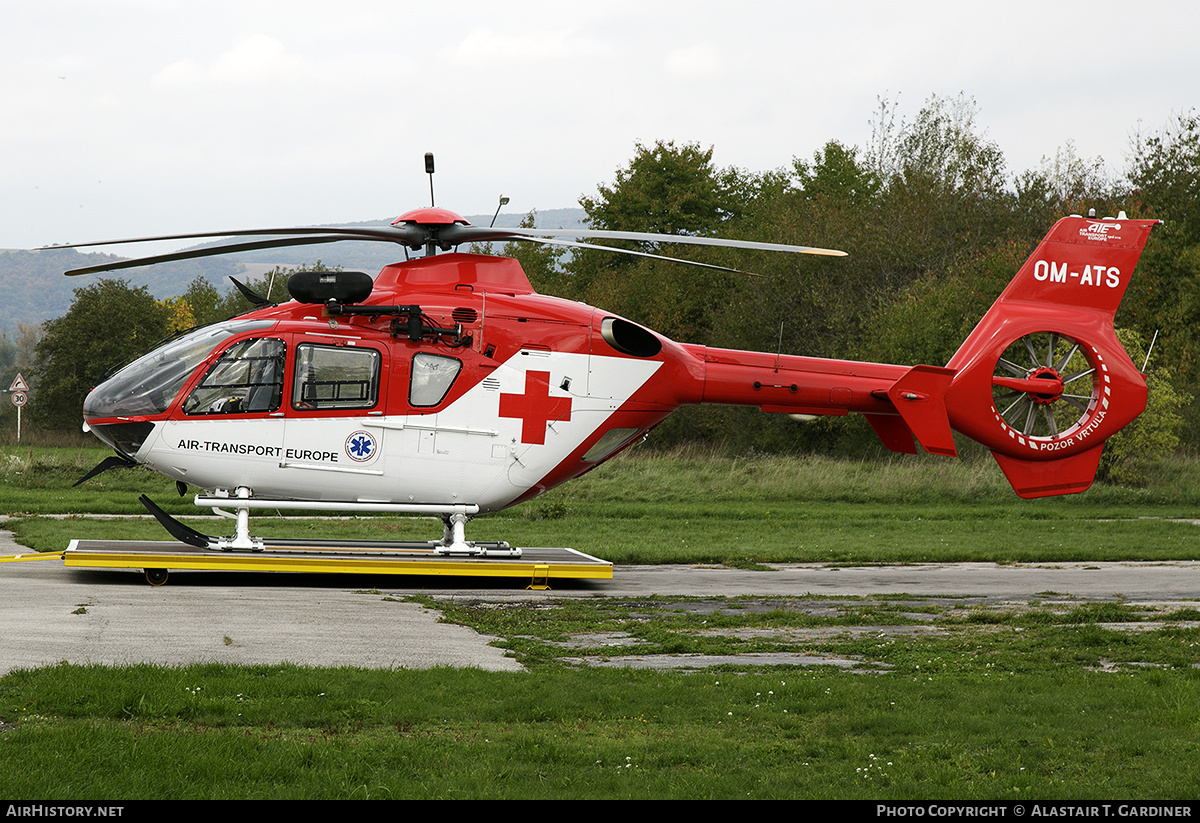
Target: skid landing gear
(452, 544)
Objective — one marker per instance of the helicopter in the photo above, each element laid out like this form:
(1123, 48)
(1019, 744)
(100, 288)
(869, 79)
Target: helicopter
(446, 385)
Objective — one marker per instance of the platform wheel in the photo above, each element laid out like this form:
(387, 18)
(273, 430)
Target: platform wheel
(156, 577)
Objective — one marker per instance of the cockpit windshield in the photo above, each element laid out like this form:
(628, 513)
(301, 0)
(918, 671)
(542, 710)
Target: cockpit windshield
(150, 383)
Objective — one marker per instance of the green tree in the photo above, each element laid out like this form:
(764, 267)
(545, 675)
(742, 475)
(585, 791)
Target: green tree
(945, 191)
(807, 304)
(928, 320)
(108, 324)
(1132, 453)
(8, 360)
(668, 189)
(203, 299)
(1165, 173)
(665, 189)
(1164, 295)
(837, 176)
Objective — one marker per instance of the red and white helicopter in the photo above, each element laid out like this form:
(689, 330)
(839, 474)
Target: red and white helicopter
(447, 386)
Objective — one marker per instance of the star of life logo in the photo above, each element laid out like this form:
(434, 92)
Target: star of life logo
(361, 446)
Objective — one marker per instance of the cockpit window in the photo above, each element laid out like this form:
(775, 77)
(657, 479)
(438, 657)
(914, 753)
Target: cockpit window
(247, 378)
(149, 384)
(335, 377)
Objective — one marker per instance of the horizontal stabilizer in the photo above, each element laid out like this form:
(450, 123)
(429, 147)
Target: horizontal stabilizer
(1046, 478)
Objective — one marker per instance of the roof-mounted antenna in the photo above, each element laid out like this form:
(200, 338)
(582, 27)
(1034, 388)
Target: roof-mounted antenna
(429, 171)
(430, 244)
(503, 203)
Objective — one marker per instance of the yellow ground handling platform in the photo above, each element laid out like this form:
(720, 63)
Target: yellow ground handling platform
(158, 558)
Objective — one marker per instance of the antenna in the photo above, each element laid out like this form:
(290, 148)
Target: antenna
(430, 244)
(779, 348)
(503, 203)
(429, 171)
(1147, 361)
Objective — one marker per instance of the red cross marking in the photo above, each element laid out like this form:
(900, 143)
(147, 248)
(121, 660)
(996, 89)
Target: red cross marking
(535, 407)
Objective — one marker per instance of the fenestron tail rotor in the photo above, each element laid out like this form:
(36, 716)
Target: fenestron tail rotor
(1044, 385)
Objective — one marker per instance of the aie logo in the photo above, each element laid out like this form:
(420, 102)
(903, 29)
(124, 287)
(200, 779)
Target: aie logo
(1099, 231)
(360, 446)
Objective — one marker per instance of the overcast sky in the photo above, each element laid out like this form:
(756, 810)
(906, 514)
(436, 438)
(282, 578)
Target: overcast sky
(132, 117)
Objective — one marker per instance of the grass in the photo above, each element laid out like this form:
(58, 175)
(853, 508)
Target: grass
(39, 479)
(1039, 703)
(1054, 699)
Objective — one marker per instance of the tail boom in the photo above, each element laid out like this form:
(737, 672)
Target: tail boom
(1042, 380)
(900, 402)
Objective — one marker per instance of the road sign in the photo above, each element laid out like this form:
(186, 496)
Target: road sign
(19, 398)
(18, 384)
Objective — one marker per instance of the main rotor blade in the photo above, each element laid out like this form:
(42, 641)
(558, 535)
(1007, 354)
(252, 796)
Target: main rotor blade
(547, 241)
(477, 234)
(211, 251)
(407, 235)
(416, 235)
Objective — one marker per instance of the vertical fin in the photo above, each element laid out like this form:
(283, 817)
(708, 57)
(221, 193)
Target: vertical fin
(920, 397)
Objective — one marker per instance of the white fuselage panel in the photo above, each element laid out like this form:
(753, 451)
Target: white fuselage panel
(488, 447)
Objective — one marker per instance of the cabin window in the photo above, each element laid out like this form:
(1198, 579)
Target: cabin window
(432, 377)
(247, 378)
(335, 377)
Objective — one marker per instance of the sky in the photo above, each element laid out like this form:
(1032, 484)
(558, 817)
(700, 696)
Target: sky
(127, 118)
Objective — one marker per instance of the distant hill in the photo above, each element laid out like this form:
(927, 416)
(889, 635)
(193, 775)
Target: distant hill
(34, 290)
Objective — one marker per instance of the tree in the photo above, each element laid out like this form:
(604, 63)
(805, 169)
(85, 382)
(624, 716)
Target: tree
(668, 189)
(17, 356)
(108, 324)
(945, 190)
(179, 314)
(203, 299)
(837, 176)
(1165, 174)
(1132, 453)
(807, 304)
(665, 189)
(1164, 295)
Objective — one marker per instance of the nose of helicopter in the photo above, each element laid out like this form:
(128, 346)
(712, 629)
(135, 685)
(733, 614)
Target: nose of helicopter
(125, 437)
(116, 410)
(107, 415)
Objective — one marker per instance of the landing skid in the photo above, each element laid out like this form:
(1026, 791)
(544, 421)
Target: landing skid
(452, 544)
